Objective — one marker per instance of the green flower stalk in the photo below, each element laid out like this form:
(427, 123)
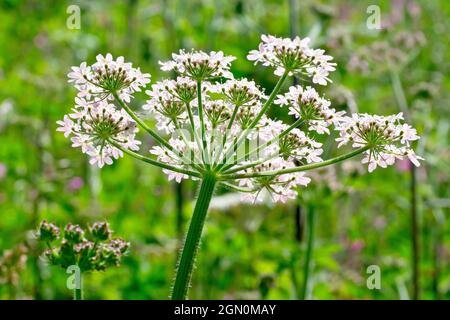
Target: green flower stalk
(213, 128)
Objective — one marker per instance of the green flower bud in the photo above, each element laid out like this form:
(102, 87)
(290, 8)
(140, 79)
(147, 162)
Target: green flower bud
(48, 232)
(67, 254)
(100, 231)
(73, 233)
(119, 245)
(51, 256)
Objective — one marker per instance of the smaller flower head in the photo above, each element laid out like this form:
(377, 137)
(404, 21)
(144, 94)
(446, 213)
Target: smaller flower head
(280, 187)
(297, 146)
(96, 127)
(217, 112)
(106, 77)
(308, 105)
(386, 136)
(199, 65)
(183, 88)
(189, 150)
(73, 233)
(294, 56)
(100, 231)
(247, 114)
(48, 232)
(240, 92)
(167, 108)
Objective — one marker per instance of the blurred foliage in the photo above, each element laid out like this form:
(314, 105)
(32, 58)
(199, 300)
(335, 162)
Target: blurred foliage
(247, 251)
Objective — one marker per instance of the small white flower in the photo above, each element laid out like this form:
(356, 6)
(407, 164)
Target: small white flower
(65, 126)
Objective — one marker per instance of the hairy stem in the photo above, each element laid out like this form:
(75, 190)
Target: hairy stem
(185, 266)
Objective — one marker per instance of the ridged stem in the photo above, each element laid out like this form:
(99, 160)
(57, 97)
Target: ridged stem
(186, 264)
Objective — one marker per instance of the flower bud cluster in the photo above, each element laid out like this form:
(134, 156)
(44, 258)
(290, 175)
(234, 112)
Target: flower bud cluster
(90, 250)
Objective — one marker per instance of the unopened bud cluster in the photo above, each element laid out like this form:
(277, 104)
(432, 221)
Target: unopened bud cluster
(91, 249)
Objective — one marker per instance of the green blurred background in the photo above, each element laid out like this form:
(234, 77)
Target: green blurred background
(248, 251)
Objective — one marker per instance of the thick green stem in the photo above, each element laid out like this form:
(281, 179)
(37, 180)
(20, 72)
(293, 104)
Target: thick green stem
(309, 252)
(185, 266)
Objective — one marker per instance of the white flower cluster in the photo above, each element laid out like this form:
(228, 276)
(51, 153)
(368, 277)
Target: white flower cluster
(218, 124)
(106, 76)
(170, 157)
(294, 56)
(388, 138)
(281, 188)
(168, 100)
(229, 108)
(95, 124)
(307, 104)
(95, 127)
(199, 65)
(240, 92)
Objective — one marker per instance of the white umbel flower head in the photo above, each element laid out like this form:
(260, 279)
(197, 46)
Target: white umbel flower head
(108, 76)
(240, 92)
(295, 57)
(387, 136)
(96, 129)
(199, 65)
(213, 127)
(307, 104)
(281, 187)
